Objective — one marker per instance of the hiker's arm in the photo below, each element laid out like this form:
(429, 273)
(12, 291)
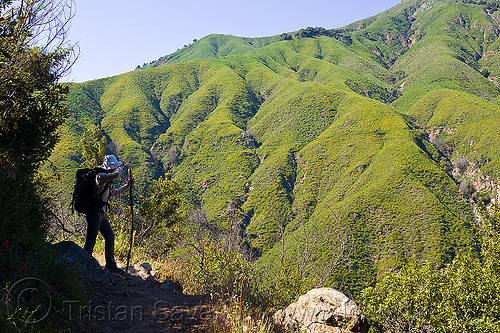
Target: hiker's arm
(123, 189)
(107, 177)
(120, 190)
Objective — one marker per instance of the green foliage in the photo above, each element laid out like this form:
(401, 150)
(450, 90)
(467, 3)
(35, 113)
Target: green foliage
(404, 301)
(260, 130)
(93, 145)
(32, 109)
(159, 211)
(463, 296)
(30, 98)
(162, 202)
(215, 268)
(32, 106)
(310, 32)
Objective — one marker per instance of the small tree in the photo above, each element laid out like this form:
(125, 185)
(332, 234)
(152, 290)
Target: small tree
(93, 144)
(159, 211)
(308, 257)
(34, 56)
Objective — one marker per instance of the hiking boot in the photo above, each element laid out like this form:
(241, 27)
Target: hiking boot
(115, 269)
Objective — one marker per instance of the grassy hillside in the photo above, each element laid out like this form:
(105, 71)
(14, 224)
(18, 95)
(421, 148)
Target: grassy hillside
(213, 46)
(389, 130)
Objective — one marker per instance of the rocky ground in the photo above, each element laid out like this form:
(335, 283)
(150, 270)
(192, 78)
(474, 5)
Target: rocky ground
(134, 303)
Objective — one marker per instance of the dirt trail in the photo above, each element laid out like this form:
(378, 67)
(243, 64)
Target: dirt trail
(130, 305)
(135, 303)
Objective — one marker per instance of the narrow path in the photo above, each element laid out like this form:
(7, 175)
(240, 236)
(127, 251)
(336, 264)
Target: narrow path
(135, 303)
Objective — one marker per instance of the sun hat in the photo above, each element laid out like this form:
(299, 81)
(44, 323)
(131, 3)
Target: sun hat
(111, 162)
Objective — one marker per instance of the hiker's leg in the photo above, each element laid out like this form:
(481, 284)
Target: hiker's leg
(109, 239)
(93, 226)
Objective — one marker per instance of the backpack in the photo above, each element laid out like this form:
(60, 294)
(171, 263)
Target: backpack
(83, 194)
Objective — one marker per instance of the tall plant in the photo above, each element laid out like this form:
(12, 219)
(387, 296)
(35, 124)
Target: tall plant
(34, 55)
(93, 144)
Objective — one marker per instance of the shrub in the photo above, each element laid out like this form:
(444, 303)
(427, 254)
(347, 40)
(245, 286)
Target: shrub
(462, 297)
(466, 188)
(35, 55)
(93, 144)
(158, 212)
(460, 164)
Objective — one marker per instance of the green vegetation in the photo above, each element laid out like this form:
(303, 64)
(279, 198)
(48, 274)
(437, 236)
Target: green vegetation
(212, 46)
(263, 134)
(349, 158)
(159, 211)
(32, 111)
(463, 296)
(93, 144)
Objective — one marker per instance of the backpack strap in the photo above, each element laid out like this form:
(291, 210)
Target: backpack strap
(98, 196)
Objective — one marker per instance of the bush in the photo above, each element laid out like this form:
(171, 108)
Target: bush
(159, 211)
(32, 104)
(466, 188)
(212, 267)
(461, 164)
(462, 297)
(208, 261)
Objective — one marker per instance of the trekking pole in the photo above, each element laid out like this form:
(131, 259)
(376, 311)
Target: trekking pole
(131, 220)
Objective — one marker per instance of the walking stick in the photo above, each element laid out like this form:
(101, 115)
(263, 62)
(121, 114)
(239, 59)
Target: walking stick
(131, 220)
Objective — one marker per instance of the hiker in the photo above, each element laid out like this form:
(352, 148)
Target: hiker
(96, 214)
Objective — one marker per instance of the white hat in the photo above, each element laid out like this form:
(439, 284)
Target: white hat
(111, 162)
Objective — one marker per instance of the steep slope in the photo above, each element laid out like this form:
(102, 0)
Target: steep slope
(213, 46)
(387, 131)
(449, 54)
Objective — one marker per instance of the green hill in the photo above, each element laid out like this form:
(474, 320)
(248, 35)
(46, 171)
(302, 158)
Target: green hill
(213, 46)
(390, 124)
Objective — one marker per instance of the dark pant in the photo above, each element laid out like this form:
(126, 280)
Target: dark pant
(97, 221)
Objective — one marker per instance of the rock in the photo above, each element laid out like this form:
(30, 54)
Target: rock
(171, 286)
(134, 279)
(71, 254)
(90, 270)
(89, 267)
(146, 266)
(144, 271)
(322, 310)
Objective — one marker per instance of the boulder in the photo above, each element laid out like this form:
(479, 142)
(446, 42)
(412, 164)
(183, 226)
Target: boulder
(71, 254)
(88, 267)
(322, 310)
(171, 286)
(144, 271)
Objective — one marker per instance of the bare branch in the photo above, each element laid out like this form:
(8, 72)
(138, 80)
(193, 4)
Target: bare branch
(43, 25)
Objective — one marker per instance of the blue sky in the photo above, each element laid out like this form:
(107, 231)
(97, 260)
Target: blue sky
(117, 35)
